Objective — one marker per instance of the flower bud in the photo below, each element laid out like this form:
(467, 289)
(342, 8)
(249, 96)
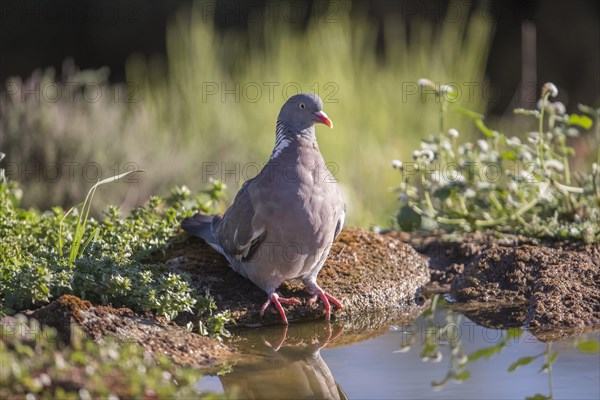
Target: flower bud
(549, 89)
(396, 164)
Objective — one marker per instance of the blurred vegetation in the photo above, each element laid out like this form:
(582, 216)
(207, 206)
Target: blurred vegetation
(519, 183)
(442, 338)
(168, 121)
(35, 365)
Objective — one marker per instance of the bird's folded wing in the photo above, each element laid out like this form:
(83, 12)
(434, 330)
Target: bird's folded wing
(340, 224)
(238, 233)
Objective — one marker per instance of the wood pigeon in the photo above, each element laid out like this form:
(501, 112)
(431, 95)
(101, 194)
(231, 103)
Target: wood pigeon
(283, 222)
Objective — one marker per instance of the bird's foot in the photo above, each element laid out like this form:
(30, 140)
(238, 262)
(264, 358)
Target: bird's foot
(276, 300)
(332, 336)
(279, 343)
(326, 298)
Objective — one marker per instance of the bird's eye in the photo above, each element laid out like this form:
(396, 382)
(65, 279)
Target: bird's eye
(302, 106)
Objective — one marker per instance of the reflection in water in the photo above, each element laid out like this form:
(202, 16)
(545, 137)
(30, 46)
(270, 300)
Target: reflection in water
(448, 333)
(286, 368)
(415, 360)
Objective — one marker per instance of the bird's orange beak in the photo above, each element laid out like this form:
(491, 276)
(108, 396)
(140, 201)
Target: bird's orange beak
(323, 119)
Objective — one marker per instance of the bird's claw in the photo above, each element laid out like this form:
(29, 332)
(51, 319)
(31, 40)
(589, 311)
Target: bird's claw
(326, 299)
(276, 300)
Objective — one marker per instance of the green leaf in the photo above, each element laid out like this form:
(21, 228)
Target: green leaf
(514, 333)
(520, 362)
(538, 397)
(443, 193)
(468, 113)
(549, 362)
(589, 346)
(580, 120)
(508, 155)
(484, 129)
(463, 376)
(485, 352)
(408, 219)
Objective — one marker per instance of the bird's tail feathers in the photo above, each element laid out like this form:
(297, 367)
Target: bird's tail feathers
(201, 225)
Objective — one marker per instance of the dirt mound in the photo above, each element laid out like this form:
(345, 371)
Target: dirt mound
(158, 338)
(555, 284)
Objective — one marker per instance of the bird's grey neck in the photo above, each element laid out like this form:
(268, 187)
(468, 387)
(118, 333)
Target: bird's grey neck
(286, 135)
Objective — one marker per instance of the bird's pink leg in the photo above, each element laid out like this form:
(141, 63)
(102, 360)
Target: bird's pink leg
(281, 341)
(326, 298)
(276, 300)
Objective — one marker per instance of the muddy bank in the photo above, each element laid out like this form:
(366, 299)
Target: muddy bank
(366, 271)
(553, 285)
(155, 336)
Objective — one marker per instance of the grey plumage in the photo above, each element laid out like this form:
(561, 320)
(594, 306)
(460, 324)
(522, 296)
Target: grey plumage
(283, 222)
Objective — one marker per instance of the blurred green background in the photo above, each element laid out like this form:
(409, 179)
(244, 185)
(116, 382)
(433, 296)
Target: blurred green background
(208, 106)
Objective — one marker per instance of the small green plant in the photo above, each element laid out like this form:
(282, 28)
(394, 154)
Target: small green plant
(47, 254)
(209, 323)
(503, 183)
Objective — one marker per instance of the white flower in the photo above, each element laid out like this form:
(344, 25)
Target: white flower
(541, 103)
(429, 155)
(457, 177)
(483, 145)
(545, 191)
(526, 176)
(397, 164)
(429, 146)
(572, 132)
(470, 193)
(513, 141)
(533, 137)
(550, 88)
(453, 133)
(446, 89)
(559, 108)
(423, 82)
(436, 176)
(555, 164)
(464, 149)
(483, 185)
(416, 154)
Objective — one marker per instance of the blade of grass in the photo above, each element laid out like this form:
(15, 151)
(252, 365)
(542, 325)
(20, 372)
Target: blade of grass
(84, 216)
(60, 227)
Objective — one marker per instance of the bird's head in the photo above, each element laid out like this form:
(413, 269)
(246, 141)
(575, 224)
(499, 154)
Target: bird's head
(304, 110)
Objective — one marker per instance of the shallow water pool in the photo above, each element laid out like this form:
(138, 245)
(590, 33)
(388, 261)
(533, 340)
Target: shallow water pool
(440, 355)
